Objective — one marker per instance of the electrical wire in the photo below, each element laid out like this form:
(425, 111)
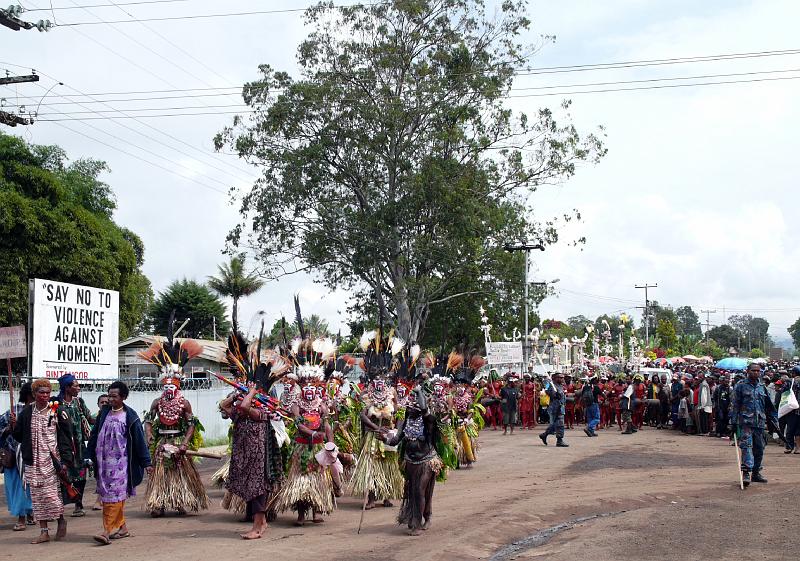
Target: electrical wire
(140, 3)
(665, 86)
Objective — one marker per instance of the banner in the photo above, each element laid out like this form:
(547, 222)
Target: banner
(74, 330)
(504, 353)
(12, 342)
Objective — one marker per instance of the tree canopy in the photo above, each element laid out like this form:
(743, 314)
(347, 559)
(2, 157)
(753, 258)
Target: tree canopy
(391, 166)
(194, 301)
(233, 281)
(56, 223)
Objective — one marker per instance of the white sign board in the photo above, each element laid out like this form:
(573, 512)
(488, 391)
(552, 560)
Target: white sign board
(12, 342)
(74, 330)
(504, 353)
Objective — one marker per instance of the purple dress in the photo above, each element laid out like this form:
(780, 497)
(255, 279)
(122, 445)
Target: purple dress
(112, 459)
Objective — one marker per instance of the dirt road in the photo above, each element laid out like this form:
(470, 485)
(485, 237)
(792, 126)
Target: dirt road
(653, 495)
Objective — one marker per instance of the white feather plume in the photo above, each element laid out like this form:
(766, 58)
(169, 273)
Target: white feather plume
(295, 345)
(397, 346)
(325, 347)
(415, 352)
(366, 338)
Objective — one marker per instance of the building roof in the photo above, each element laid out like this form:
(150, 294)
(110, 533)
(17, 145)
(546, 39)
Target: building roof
(213, 351)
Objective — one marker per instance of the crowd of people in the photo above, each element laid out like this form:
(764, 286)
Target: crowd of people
(303, 434)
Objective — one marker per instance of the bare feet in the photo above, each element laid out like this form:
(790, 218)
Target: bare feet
(427, 523)
(414, 532)
(157, 513)
(370, 505)
(253, 534)
(61, 531)
(387, 503)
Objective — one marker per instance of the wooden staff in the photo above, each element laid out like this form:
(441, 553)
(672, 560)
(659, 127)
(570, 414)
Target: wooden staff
(738, 461)
(10, 392)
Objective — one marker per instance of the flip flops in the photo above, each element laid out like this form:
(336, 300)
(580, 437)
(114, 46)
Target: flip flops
(102, 540)
(19, 527)
(119, 535)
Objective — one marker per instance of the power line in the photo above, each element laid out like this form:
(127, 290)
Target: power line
(507, 97)
(219, 15)
(140, 158)
(590, 84)
(142, 2)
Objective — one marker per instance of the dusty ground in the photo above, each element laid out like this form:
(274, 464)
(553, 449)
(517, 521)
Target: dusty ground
(667, 496)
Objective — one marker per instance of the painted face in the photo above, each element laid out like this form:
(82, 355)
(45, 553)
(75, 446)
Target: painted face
(402, 391)
(438, 389)
(320, 391)
(380, 385)
(309, 393)
(169, 391)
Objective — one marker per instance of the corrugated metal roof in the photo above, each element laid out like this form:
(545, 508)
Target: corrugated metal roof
(212, 350)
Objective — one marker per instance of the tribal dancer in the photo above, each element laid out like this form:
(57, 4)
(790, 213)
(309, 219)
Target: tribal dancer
(440, 404)
(256, 467)
(528, 402)
(377, 475)
(465, 407)
(421, 464)
(171, 429)
(308, 484)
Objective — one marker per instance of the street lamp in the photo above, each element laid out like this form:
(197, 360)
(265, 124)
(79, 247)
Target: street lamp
(526, 247)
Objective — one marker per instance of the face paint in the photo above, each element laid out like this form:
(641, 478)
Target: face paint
(169, 391)
(438, 389)
(309, 393)
(402, 391)
(379, 385)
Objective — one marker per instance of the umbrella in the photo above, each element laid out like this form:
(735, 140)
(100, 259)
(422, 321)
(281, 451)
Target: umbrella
(732, 363)
(690, 357)
(705, 359)
(761, 360)
(607, 359)
(677, 360)
(662, 361)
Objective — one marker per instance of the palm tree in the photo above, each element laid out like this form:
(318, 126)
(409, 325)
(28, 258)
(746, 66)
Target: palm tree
(234, 282)
(316, 326)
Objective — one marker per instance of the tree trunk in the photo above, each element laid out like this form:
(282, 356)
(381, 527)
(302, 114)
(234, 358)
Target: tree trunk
(235, 314)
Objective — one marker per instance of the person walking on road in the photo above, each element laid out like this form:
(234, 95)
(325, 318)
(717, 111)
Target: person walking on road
(558, 399)
(750, 408)
(118, 449)
(589, 400)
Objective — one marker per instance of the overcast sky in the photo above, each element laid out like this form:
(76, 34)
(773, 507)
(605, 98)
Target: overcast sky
(697, 192)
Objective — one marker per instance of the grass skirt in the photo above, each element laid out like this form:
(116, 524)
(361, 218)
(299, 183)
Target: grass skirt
(445, 447)
(230, 501)
(308, 485)
(418, 492)
(466, 447)
(377, 470)
(175, 485)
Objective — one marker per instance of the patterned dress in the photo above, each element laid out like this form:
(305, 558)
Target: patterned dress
(41, 477)
(112, 459)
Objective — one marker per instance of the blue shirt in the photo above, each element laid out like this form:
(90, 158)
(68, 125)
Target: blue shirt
(750, 405)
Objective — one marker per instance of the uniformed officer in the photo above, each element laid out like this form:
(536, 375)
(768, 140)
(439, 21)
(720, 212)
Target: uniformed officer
(750, 408)
(556, 409)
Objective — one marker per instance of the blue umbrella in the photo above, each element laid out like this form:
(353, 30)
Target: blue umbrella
(732, 363)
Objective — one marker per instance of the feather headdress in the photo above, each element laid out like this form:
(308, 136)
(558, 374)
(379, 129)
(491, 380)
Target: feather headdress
(171, 354)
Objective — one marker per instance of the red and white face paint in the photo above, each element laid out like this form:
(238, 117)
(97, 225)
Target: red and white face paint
(402, 390)
(309, 393)
(438, 389)
(380, 385)
(169, 391)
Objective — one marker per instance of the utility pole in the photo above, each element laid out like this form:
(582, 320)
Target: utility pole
(18, 79)
(708, 320)
(9, 17)
(646, 311)
(526, 247)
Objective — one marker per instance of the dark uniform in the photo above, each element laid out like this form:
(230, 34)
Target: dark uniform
(556, 409)
(750, 408)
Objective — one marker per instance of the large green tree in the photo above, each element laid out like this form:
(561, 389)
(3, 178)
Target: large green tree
(233, 281)
(55, 223)
(195, 302)
(688, 323)
(390, 164)
(725, 336)
(794, 331)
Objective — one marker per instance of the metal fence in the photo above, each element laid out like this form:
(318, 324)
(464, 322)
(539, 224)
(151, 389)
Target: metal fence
(134, 384)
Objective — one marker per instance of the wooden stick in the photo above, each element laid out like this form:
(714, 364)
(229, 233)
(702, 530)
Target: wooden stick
(366, 498)
(738, 461)
(10, 390)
